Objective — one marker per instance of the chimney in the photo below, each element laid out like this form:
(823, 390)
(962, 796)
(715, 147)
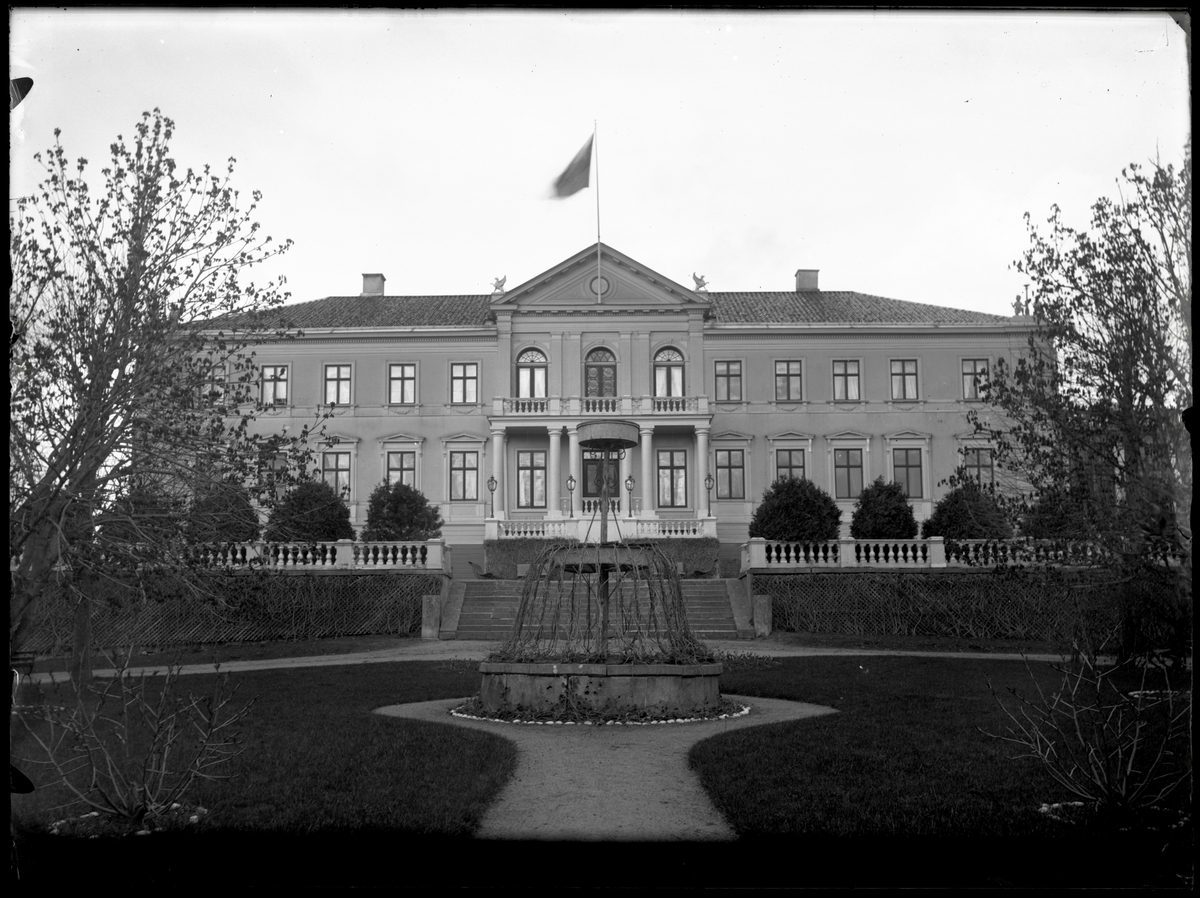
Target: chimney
(373, 284)
(806, 279)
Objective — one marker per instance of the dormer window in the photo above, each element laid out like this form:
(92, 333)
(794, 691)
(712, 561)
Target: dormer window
(531, 374)
(668, 373)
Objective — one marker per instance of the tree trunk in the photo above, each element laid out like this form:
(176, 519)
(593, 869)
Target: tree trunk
(81, 648)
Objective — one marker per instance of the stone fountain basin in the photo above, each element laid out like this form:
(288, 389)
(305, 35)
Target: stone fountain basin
(656, 688)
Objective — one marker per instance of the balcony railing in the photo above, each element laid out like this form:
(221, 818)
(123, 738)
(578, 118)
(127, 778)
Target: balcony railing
(913, 554)
(600, 406)
(587, 529)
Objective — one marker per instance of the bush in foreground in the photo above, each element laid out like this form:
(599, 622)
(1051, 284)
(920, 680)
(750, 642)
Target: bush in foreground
(311, 512)
(967, 512)
(399, 511)
(796, 510)
(883, 512)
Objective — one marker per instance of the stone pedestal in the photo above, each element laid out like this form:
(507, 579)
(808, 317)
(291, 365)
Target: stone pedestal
(659, 689)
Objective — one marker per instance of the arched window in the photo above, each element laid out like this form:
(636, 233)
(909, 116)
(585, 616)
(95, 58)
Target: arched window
(600, 373)
(531, 374)
(668, 373)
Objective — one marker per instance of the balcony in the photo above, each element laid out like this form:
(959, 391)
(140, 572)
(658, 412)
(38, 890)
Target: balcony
(600, 406)
(587, 529)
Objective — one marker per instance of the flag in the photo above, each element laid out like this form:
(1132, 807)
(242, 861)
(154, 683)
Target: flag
(19, 87)
(575, 176)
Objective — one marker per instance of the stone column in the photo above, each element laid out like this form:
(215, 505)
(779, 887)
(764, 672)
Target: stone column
(702, 470)
(498, 472)
(576, 471)
(649, 489)
(553, 473)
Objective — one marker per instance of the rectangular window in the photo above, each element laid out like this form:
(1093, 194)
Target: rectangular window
(906, 464)
(672, 479)
(904, 378)
(464, 382)
(337, 384)
(845, 381)
(978, 464)
(789, 463)
(531, 382)
(464, 476)
(731, 474)
(729, 381)
(402, 467)
(274, 385)
(847, 473)
(402, 384)
(787, 381)
(974, 376)
(213, 391)
(335, 470)
(531, 479)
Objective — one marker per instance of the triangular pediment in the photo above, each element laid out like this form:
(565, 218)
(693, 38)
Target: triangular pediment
(402, 438)
(628, 283)
(464, 438)
(847, 435)
(907, 435)
(732, 435)
(789, 435)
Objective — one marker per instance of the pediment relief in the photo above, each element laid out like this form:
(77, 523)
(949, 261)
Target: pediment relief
(624, 283)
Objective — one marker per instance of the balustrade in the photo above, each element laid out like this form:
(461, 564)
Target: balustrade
(918, 553)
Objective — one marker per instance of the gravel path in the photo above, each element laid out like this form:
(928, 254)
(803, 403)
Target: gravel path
(610, 783)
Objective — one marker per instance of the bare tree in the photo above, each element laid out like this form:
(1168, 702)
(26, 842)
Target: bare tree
(130, 368)
(1092, 416)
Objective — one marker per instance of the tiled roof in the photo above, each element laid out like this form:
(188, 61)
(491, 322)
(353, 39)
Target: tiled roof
(806, 307)
(389, 311)
(835, 307)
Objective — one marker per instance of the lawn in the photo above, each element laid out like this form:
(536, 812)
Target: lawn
(898, 788)
(903, 780)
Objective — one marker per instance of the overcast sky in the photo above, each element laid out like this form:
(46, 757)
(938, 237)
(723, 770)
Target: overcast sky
(895, 152)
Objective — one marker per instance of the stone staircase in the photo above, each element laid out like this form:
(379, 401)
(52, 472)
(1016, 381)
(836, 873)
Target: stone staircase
(485, 610)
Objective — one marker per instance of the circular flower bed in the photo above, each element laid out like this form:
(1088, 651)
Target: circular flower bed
(94, 824)
(568, 715)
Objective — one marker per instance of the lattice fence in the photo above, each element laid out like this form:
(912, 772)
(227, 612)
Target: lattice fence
(240, 608)
(1048, 605)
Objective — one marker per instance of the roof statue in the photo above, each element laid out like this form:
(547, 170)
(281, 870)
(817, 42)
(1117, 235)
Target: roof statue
(701, 283)
(498, 284)
(1018, 306)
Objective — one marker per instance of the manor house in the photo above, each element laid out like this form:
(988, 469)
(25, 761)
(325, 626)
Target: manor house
(475, 400)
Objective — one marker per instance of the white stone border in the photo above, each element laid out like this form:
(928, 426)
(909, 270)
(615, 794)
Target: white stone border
(745, 709)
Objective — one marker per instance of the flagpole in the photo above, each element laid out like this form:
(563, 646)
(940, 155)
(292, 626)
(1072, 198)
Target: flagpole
(596, 144)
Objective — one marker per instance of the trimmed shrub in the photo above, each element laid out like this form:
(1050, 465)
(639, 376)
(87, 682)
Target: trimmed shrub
(967, 512)
(222, 512)
(310, 512)
(796, 510)
(882, 512)
(399, 511)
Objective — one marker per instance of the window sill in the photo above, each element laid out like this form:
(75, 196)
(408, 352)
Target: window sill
(845, 402)
(906, 402)
(783, 402)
